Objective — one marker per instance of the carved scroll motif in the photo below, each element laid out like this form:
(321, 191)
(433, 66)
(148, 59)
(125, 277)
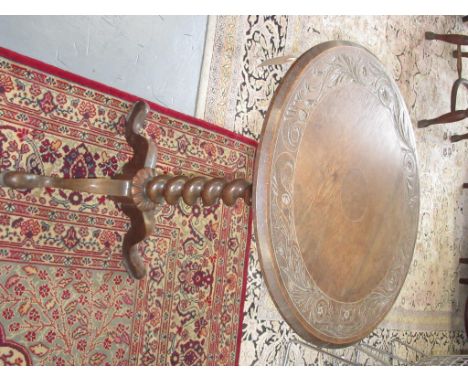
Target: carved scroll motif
(331, 317)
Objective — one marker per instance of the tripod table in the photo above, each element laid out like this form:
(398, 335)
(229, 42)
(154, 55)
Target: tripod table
(335, 193)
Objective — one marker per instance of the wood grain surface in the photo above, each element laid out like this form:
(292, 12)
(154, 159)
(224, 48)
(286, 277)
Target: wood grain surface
(336, 194)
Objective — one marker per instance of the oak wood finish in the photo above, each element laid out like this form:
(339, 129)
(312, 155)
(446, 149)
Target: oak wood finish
(336, 194)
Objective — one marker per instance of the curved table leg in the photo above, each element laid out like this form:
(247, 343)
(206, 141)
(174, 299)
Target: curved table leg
(144, 150)
(112, 187)
(144, 156)
(120, 187)
(142, 225)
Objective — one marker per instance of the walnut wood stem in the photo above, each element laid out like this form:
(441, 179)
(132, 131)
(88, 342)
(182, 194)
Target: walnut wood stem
(170, 189)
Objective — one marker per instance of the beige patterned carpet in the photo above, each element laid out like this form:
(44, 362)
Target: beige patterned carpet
(235, 93)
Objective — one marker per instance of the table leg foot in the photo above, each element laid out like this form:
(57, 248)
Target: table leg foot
(142, 225)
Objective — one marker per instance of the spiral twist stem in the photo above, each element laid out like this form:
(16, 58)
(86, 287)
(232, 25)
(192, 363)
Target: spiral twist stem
(170, 189)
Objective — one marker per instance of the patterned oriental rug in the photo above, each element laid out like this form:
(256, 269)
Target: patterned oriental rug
(235, 92)
(65, 298)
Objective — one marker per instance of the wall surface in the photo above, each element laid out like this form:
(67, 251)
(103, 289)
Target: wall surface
(156, 57)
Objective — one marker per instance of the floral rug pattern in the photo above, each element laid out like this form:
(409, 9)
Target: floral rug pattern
(236, 93)
(65, 298)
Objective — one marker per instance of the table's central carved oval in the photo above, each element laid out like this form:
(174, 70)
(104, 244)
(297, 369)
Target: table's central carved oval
(354, 195)
(344, 192)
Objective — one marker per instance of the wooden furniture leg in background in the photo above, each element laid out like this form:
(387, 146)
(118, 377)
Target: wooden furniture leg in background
(457, 138)
(453, 96)
(454, 115)
(457, 39)
(455, 54)
(140, 189)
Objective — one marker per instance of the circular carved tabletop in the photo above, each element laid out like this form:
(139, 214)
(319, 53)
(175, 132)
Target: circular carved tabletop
(336, 194)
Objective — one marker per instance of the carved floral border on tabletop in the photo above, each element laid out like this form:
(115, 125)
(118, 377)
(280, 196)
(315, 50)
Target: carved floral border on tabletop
(331, 317)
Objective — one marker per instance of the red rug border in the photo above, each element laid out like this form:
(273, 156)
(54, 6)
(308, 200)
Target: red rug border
(83, 81)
